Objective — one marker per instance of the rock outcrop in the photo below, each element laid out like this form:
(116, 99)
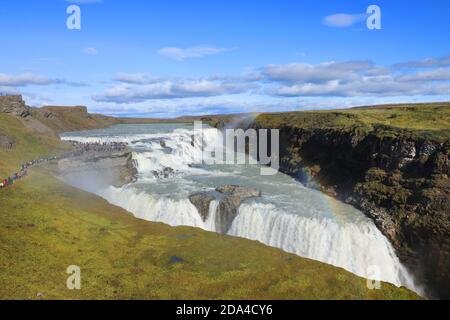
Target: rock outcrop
(202, 202)
(6, 143)
(165, 173)
(233, 197)
(230, 198)
(51, 121)
(116, 169)
(14, 104)
(397, 177)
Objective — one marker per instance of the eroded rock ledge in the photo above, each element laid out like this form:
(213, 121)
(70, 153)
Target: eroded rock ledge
(230, 197)
(116, 169)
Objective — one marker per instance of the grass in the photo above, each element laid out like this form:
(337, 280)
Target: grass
(429, 120)
(27, 146)
(46, 226)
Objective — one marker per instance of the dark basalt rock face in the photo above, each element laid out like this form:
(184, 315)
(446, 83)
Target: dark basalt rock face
(202, 201)
(230, 197)
(398, 179)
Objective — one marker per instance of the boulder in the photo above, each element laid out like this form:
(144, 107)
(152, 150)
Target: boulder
(228, 207)
(201, 201)
(230, 198)
(165, 173)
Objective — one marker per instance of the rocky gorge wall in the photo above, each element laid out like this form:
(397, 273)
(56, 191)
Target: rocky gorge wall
(397, 178)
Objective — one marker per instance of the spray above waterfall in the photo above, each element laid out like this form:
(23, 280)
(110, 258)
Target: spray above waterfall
(238, 147)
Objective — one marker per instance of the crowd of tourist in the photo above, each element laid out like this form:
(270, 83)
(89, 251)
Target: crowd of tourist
(81, 148)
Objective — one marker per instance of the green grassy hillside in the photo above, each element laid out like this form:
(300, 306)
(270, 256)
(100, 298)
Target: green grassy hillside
(64, 119)
(432, 120)
(47, 226)
(27, 145)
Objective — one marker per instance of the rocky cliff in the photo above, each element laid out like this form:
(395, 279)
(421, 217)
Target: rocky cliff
(52, 120)
(396, 176)
(14, 105)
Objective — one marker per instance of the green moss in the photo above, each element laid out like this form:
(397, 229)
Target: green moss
(28, 145)
(376, 174)
(47, 226)
(430, 121)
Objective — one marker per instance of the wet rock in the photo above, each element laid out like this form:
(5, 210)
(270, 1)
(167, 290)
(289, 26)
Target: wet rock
(91, 170)
(175, 259)
(202, 201)
(166, 173)
(230, 198)
(228, 207)
(239, 192)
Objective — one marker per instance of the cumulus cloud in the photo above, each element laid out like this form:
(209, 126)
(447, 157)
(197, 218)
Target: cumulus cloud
(84, 1)
(441, 74)
(136, 78)
(343, 20)
(90, 51)
(303, 72)
(366, 87)
(170, 89)
(27, 79)
(425, 63)
(357, 78)
(181, 54)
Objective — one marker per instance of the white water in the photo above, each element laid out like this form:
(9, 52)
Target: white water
(288, 215)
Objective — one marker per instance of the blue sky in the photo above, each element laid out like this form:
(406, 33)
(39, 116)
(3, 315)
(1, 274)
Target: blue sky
(167, 58)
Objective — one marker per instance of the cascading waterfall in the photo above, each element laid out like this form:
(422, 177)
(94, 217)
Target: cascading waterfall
(288, 216)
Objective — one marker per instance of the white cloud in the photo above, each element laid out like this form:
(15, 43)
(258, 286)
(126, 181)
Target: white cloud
(343, 20)
(24, 80)
(27, 79)
(84, 1)
(350, 79)
(90, 51)
(171, 89)
(322, 72)
(425, 63)
(441, 74)
(136, 78)
(181, 54)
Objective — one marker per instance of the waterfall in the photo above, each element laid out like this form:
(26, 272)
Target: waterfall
(303, 222)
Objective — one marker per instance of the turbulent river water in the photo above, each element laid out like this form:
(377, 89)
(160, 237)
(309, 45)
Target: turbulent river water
(287, 215)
